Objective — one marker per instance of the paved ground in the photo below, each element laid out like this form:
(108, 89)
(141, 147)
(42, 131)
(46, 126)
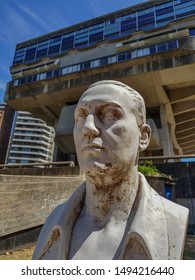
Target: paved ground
(26, 254)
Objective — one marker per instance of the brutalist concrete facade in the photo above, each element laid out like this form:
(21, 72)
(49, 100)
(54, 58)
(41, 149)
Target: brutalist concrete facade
(150, 47)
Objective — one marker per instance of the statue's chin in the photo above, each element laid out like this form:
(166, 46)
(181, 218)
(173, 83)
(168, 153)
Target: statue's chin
(103, 174)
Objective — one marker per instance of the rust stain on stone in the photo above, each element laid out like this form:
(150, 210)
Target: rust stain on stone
(55, 235)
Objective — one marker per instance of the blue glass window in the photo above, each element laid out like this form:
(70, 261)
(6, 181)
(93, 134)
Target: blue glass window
(172, 45)
(112, 36)
(23, 80)
(145, 16)
(153, 49)
(122, 56)
(30, 55)
(162, 23)
(128, 55)
(20, 51)
(185, 12)
(192, 32)
(81, 38)
(182, 4)
(49, 74)
(103, 61)
(86, 65)
(128, 24)
(56, 72)
(34, 78)
(146, 19)
(67, 42)
(112, 59)
(112, 29)
(29, 79)
(95, 38)
(164, 11)
(161, 47)
(42, 49)
(54, 50)
(55, 39)
(41, 53)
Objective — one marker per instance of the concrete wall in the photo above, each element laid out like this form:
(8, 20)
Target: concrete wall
(54, 171)
(26, 203)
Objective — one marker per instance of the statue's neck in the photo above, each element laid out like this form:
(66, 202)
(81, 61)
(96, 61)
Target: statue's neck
(104, 202)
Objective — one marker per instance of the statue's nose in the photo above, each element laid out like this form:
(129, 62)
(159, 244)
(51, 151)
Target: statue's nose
(89, 126)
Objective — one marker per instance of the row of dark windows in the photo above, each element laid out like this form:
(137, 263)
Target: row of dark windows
(39, 150)
(150, 50)
(147, 19)
(27, 155)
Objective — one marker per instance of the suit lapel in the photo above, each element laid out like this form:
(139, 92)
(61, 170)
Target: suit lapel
(148, 230)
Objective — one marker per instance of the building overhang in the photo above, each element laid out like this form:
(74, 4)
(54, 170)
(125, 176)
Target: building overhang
(166, 78)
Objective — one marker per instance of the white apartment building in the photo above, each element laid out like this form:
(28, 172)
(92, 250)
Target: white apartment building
(32, 140)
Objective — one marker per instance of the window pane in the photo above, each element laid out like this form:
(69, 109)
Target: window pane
(145, 16)
(41, 53)
(164, 11)
(172, 45)
(96, 37)
(161, 47)
(112, 36)
(54, 50)
(86, 65)
(49, 74)
(131, 26)
(192, 32)
(153, 49)
(121, 56)
(112, 59)
(104, 61)
(56, 39)
(96, 63)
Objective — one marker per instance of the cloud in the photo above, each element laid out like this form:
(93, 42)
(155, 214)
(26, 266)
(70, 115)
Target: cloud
(94, 6)
(55, 19)
(33, 16)
(3, 39)
(2, 85)
(14, 26)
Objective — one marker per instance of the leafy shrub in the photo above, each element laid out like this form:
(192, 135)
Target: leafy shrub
(148, 169)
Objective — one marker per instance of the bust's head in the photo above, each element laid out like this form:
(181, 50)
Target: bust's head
(110, 129)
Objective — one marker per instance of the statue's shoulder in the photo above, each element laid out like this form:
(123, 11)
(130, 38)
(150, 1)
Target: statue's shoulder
(174, 212)
(58, 226)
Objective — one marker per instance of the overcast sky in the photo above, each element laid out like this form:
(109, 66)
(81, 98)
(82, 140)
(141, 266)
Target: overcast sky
(21, 20)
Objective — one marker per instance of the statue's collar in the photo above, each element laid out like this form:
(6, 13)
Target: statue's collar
(147, 230)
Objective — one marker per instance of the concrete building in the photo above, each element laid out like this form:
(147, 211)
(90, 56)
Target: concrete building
(6, 121)
(150, 46)
(31, 142)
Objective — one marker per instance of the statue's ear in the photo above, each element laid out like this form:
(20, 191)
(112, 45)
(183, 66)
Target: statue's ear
(145, 135)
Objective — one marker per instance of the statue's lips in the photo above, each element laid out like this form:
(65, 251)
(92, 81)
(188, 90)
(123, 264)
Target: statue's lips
(92, 147)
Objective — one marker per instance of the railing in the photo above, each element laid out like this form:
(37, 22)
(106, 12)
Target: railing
(165, 159)
(38, 164)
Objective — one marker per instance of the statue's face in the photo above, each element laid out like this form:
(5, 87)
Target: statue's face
(106, 133)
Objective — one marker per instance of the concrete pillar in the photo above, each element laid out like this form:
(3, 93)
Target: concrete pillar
(165, 133)
(64, 130)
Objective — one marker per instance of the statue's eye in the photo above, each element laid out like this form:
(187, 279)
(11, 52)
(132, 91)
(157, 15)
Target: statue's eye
(80, 115)
(110, 114)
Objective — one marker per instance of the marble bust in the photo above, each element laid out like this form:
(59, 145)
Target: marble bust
(114, 214)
